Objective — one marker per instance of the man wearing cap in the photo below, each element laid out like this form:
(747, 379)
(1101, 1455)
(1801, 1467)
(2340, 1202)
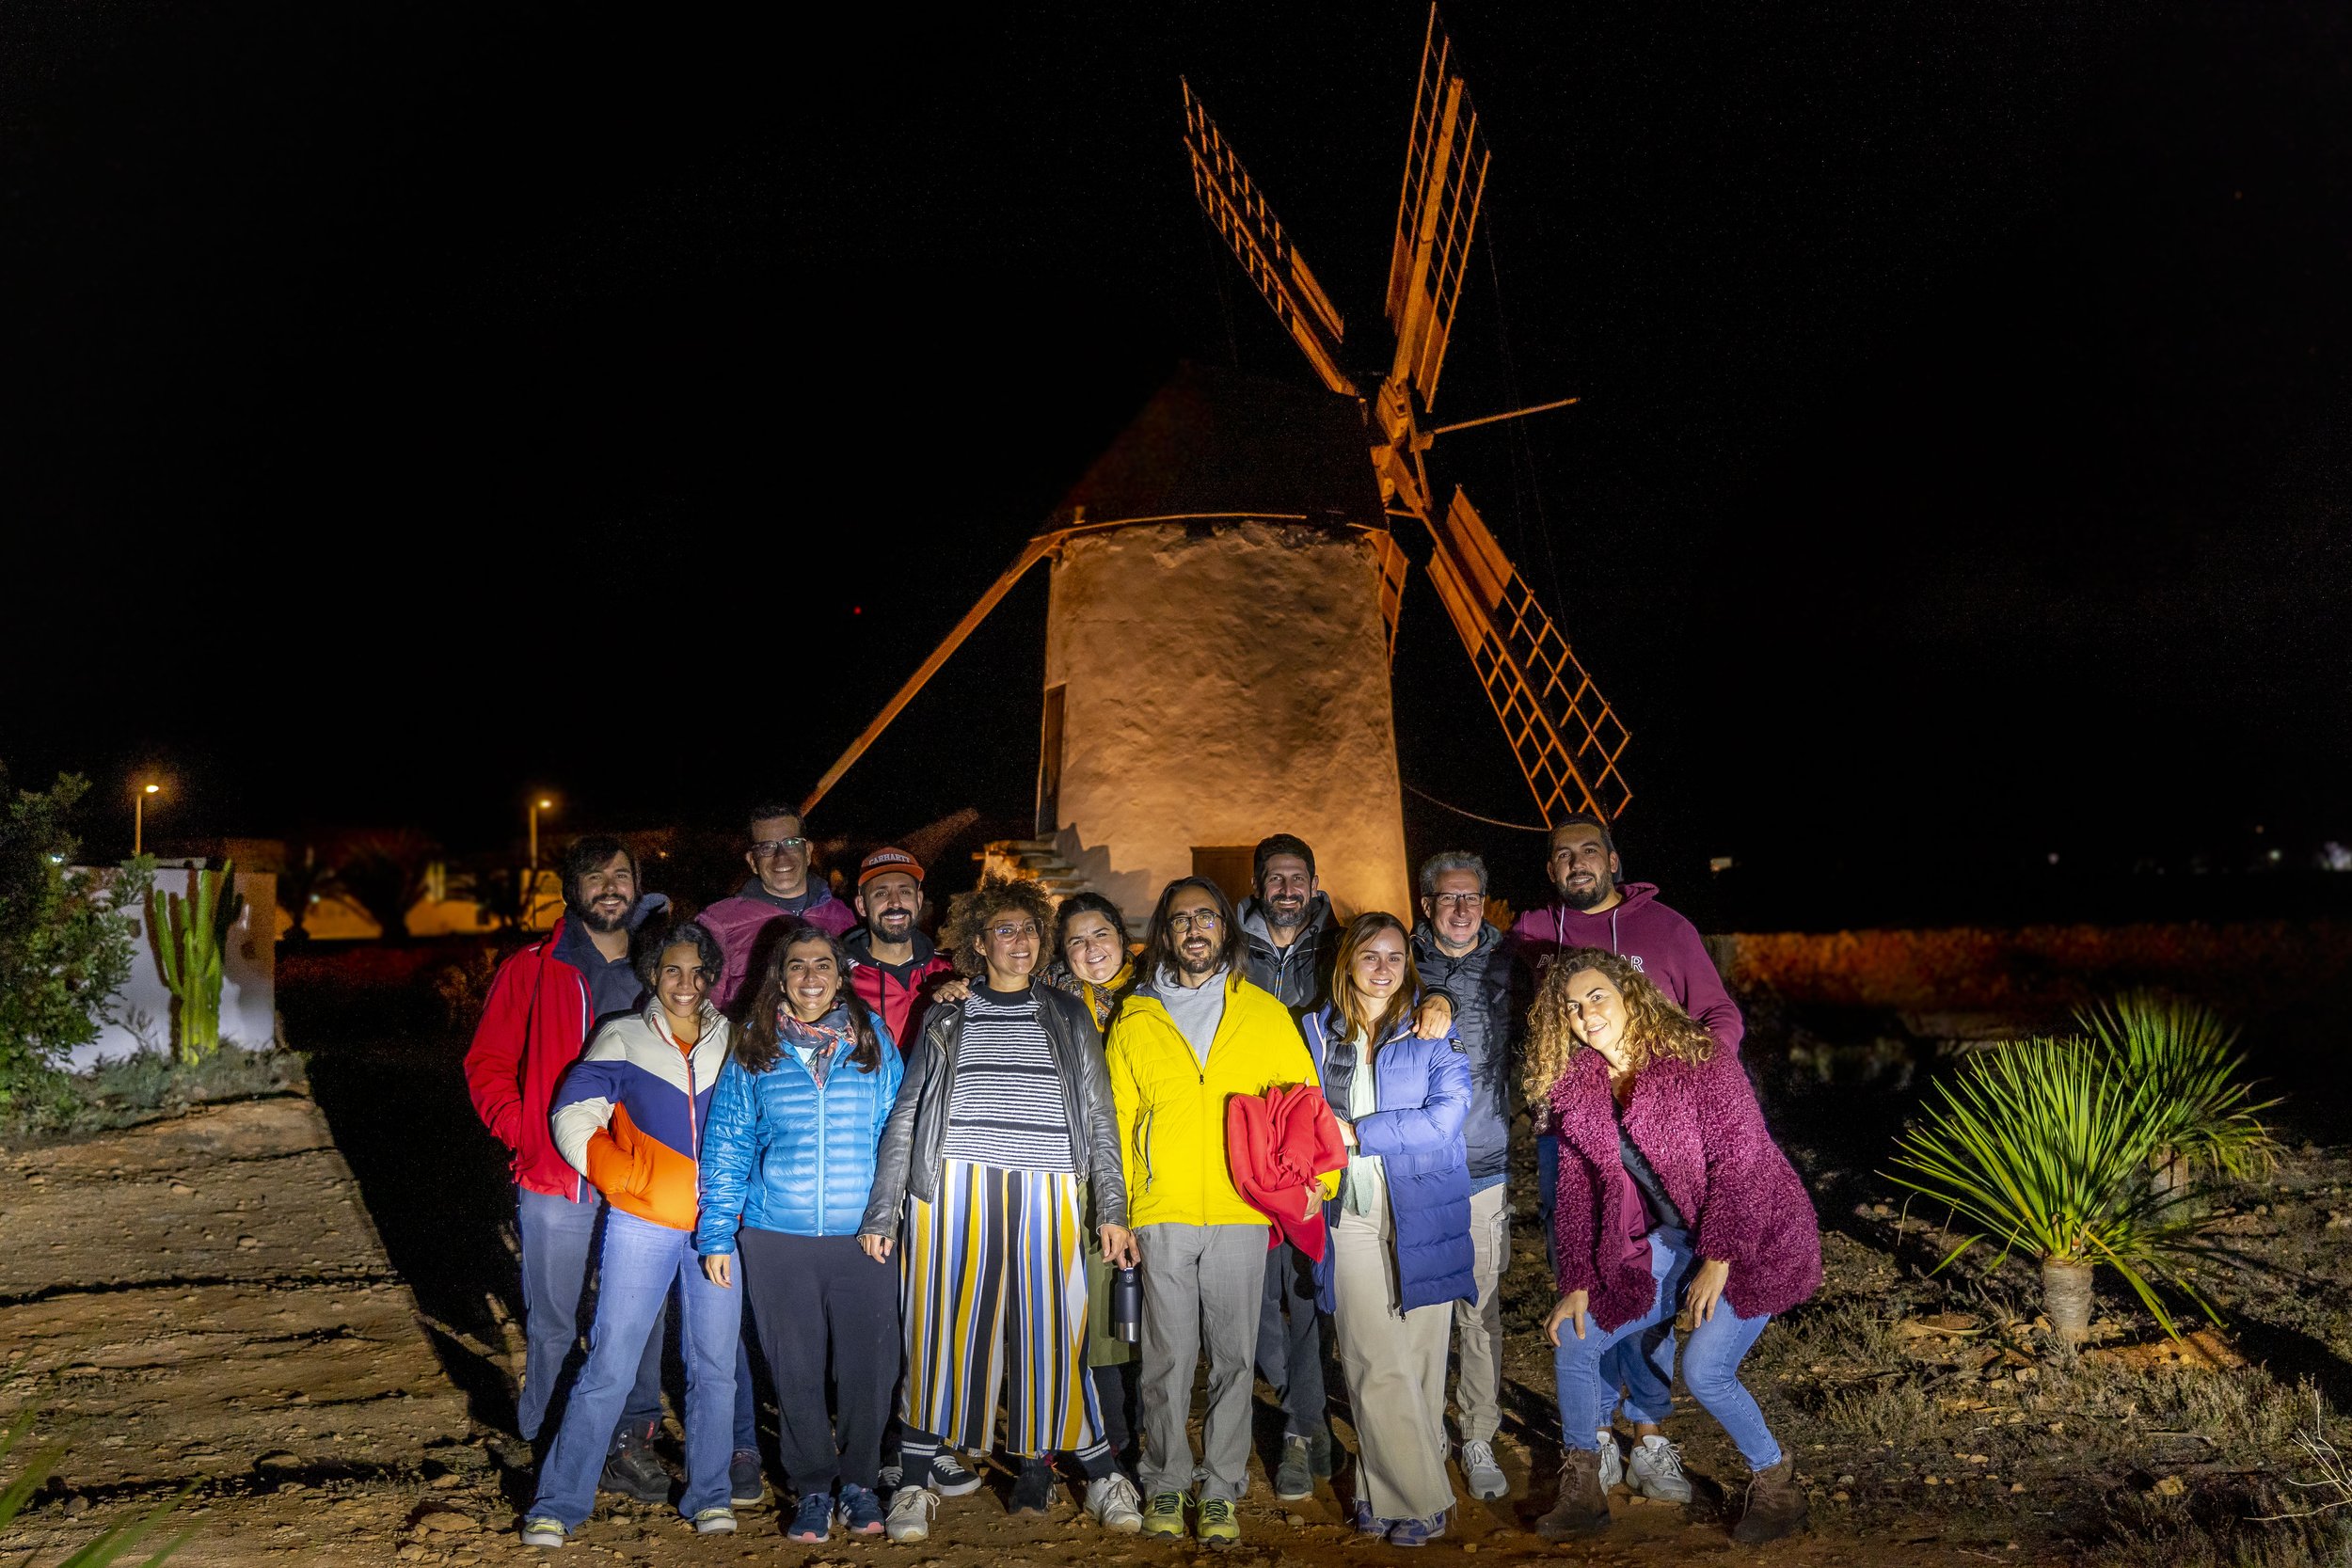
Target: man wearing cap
(892, 963)
(780, 889)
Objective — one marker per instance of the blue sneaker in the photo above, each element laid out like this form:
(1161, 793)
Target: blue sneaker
(861, 1511)
(1417, 1532)
(1362, 1521)
(812, 1525)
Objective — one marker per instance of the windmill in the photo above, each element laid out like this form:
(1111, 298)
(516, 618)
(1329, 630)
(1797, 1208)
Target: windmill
(1225, 583)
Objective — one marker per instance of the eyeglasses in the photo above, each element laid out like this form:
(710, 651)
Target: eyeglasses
(1009, 933)
(1204, 922)
(1460, 900)
(768, 849)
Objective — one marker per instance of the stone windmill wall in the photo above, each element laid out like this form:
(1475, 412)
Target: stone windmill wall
(1216, 682)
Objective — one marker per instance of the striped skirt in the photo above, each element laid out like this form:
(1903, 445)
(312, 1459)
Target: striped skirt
(995, 1283)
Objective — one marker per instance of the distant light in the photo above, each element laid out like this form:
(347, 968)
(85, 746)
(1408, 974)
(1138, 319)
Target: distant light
(2053, 857)
(2274, 857)
(157, 789)
(857, 609)
(546, 806)
(1719, 863)
(56, 860)
(2258, 826)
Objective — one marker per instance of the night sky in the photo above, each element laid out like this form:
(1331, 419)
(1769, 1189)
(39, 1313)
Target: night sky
(408, 410)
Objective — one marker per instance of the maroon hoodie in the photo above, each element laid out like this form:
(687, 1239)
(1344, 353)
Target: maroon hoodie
(1661, 942)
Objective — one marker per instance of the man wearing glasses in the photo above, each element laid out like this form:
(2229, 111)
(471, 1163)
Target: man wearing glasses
(779, 888)
(1192, 1035)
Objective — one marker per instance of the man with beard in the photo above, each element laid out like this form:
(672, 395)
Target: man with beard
(1190, 1036)
(1288, 932)
(544, 1004)
(892, 963)
(1592, 908)
(778, 890)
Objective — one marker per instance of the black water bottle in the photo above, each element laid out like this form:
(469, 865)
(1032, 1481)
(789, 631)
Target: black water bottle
(1127, 1304)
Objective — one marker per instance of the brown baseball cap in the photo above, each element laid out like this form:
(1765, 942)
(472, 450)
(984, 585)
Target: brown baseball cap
(889, 859)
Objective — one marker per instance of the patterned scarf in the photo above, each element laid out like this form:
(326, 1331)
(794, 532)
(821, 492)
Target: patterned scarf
(819, 1039)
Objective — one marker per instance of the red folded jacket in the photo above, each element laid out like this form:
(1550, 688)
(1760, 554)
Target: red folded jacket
(1277, 1144)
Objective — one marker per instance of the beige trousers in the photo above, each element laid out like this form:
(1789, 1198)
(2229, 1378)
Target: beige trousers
(1395, 1368)
(1478, 1324)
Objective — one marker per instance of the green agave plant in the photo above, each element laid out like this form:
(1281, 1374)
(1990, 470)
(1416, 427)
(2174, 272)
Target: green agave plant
(2047, 1144)
(101, 1549)
(2183, 1052)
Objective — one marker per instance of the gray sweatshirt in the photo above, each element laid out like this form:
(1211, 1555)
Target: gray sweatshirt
(1196, 1010)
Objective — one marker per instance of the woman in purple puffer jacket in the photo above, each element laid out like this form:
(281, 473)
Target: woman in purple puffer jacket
(1672, 1193)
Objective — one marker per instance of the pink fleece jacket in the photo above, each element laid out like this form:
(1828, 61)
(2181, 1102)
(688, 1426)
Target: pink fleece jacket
(1701, 1130)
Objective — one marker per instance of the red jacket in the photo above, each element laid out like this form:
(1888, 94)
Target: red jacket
(531, 1031)
(1276, 1145)
(900, 1004)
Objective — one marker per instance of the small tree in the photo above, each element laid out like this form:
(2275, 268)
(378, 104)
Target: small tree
(65, 948)
(384, 874)
(305, 878)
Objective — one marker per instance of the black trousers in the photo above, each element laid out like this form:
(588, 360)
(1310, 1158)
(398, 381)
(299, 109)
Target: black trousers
(1290, 1340)
(808, 1295)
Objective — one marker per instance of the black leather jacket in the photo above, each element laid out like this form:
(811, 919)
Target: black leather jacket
(909, 1159)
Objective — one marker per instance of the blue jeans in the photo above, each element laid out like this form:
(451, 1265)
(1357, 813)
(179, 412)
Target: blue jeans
(641, 1262)
(1710, 1362)
(1642, 1366)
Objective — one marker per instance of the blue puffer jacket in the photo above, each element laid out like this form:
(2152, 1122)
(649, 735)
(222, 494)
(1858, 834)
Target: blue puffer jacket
(1423, 1092)
(777, 1155)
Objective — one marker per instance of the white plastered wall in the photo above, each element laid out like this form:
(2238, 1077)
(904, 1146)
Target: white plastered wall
(1221, 687)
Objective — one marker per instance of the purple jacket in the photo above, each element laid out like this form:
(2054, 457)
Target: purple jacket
(1701, 1130)
(737, 922)
(1662, 943)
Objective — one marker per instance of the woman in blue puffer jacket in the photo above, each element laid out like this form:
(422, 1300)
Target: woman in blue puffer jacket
(788, 1166)
(1400, 1253)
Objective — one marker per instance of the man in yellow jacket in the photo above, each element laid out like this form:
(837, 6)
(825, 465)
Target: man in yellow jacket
(1191, 1036)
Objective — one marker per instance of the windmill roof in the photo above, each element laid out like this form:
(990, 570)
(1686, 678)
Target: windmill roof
(1214, 440)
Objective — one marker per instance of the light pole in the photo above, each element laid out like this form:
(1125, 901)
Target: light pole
(530, 899)
(138, 815)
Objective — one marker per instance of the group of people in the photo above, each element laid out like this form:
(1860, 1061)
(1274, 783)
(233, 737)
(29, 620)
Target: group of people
(917, 1180)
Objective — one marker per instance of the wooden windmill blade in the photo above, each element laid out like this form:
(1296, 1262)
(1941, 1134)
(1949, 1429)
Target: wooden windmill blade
(1242, 214)
(1565, 735)
(1437, 215)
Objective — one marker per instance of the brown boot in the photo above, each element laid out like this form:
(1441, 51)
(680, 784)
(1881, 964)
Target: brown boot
(1582, 1508)
(1776, 1505)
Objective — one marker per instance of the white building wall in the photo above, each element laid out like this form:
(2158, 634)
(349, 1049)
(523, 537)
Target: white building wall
(248, 996)
(1219, 688)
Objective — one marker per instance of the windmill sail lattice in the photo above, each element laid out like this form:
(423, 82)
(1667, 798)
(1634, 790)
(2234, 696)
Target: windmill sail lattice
(1445, 178)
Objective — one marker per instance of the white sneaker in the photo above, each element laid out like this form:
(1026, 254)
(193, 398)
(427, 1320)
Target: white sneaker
(1480, 1471)
(911, 1511)
(1612, 1459)
(1115, 1503)
(714, 1521)
(1656, 1471)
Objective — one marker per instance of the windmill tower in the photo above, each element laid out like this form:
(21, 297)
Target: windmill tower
(1226, 581)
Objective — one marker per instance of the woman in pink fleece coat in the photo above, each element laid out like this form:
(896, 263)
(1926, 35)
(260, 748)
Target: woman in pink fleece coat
(1671, 1194)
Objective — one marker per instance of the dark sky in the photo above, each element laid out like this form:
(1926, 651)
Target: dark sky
(409, 409)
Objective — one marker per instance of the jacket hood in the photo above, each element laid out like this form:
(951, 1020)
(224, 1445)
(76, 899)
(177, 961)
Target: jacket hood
(1635, 895)
(1254, 923)
(1147, 986)
(1425, 944)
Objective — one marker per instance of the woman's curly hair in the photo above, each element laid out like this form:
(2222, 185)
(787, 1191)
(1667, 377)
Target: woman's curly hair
(971, 913)
(1657, 1029)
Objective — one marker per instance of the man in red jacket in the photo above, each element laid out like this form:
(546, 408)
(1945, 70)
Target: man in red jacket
(544, 1004)
(893, 965)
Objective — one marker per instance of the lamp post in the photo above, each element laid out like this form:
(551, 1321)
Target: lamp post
(530, 898)
(138, 815)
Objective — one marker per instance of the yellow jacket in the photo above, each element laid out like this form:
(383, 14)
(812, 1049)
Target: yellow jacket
(1171, 1106)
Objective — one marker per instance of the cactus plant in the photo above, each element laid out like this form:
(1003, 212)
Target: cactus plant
(190, 935)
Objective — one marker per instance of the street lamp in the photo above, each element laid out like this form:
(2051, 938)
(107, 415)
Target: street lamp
(530, 899)
(138, 815)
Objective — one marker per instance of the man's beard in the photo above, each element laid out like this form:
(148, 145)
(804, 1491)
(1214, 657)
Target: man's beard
(1287, 920)
(595, 922)
(1602, 886)
(891, 926)
(1185, 964)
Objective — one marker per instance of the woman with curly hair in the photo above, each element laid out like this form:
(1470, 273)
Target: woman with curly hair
(1670, 1191)
(1003, 1132)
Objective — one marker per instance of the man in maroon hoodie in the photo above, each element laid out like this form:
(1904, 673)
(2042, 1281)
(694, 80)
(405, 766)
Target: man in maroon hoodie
(780, 889)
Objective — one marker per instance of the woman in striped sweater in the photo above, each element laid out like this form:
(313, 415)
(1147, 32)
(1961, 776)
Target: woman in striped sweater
(1005, 1110)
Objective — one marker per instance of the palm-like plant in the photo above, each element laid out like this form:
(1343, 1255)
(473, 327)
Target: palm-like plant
(108, 1545)
(2183, 1052)
(2045, 1144)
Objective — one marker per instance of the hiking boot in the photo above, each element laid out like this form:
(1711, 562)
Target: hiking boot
(910, 1512)
(543, 1531)
(1656, 1471)
(1417, 1532)
(1218, 1526)
(746, 1485)
(1776, 1505)
(1032, 1491)
(861, 1511)
(635, 1470)
(1115, 1503)
(951, 1477)
(1295, 1477)
(1612, 1459)
(1583, 1506)
(1479, 1473)
(1166, 1514)
(812, 1524)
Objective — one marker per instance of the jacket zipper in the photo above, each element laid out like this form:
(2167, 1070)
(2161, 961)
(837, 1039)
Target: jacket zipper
(821, 1119)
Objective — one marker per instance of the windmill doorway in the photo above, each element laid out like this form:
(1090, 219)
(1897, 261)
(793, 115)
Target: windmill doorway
(1049, 765)
(1229, 865)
